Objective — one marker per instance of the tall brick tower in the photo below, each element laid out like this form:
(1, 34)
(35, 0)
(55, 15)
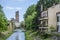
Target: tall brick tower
(17, 16)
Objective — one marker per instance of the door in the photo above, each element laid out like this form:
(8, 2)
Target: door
(58, 28)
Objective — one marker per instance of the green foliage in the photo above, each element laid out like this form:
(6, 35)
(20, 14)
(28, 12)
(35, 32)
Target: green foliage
(22, 24)
(30, 10)
(29, 17)
(46, 4)
(30, 35)
(3, 21)
(4, 37)
(27, 35)
(52, 29)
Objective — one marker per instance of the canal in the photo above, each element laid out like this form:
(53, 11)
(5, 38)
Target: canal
(17, 35)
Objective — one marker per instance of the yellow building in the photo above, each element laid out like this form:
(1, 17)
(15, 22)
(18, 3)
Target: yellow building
(10, 26)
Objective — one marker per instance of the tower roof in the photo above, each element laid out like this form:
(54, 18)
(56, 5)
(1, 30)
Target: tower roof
(17, 11)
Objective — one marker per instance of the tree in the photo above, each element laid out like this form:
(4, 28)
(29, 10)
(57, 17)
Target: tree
(3, 20)
(29, 16)
(46, 4)
(29, 11)
(22, 24)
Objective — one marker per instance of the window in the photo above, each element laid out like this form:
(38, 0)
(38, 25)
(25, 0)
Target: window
(57, 27)
(44, 14)
(57, 18)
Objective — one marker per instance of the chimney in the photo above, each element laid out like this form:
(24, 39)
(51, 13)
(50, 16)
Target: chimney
(41, 7)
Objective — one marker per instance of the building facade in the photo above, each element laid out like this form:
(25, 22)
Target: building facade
(50, 18)
(9, 26)
(13, 22)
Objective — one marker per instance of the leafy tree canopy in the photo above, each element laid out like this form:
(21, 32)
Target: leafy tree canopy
(3, 20)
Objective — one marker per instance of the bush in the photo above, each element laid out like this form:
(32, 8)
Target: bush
(52, 29)
(44, 35)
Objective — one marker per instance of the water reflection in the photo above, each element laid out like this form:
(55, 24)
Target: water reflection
(18, 35)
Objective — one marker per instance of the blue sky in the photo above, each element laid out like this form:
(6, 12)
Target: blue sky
(11, 6)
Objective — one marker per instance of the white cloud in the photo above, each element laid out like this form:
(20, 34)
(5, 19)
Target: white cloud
(17, 8)
(9, 7)
(12, 8)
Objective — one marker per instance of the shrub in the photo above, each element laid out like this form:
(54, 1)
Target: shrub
(52, 29)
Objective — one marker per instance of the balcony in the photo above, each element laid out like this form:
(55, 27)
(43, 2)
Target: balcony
(43, 29)
(43, 18)
(44, 15)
